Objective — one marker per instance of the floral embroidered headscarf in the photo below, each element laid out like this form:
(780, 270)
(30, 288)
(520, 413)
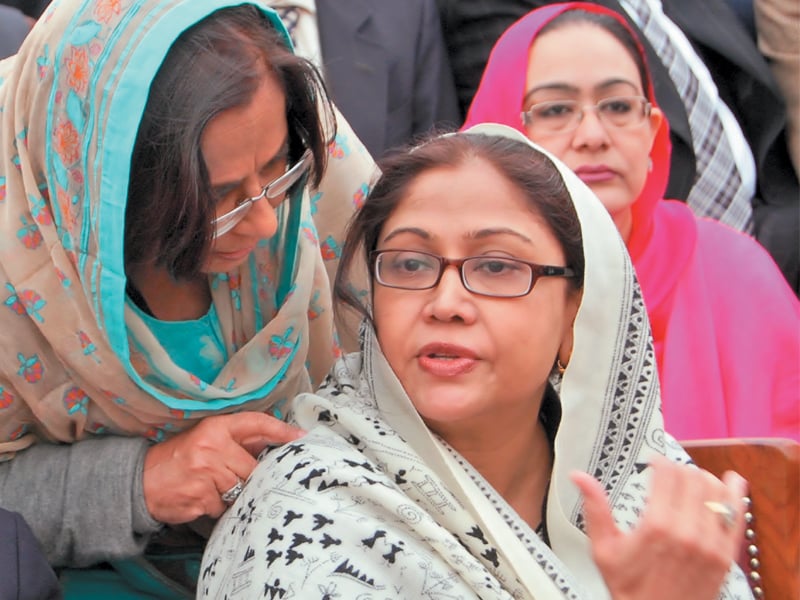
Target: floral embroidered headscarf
(74, 360)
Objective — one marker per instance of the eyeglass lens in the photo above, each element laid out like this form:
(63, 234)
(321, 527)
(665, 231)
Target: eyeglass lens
(275, 189)
(563, 115)
(488, 275)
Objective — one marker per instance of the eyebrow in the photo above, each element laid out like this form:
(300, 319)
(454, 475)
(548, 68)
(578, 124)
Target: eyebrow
(222, 189)
(475, 235)
(565, 87)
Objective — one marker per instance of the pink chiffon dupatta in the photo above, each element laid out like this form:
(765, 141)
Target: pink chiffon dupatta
(726, 326)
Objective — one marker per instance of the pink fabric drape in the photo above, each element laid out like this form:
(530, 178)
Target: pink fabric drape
(726, 325)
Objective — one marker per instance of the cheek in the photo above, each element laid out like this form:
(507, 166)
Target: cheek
(531, 340)
(390, 318)
(556, 145)
(637, 155)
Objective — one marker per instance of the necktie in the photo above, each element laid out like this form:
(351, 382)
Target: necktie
(718, 191)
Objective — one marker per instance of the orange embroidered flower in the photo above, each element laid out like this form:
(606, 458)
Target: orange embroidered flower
(105, 10)
(66, 142)
(77, 64)
(67, 208)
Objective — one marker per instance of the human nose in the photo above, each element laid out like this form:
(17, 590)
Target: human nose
(255, 190)
(450, 300)
(260, 221)
(590, 132)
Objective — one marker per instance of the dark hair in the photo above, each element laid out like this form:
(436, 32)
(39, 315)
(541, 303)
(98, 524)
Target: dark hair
(608, 23)
(216, 65)
(523, 166)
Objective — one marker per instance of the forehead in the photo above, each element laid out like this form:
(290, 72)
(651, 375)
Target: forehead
(239, 140)
(458, 201)
(583, 55)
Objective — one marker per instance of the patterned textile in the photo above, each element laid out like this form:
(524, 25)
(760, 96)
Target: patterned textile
(300, 19)
(73, 360)
(719, 190)
(371, 504)
(729, 364)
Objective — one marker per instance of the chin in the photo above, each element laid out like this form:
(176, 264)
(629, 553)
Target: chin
(444, 406)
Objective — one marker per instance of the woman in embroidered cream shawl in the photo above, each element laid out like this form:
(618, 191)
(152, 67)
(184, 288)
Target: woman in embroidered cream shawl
(450, 458)
(163, 262)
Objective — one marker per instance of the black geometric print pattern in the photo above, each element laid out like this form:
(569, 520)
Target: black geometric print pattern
(330, 516)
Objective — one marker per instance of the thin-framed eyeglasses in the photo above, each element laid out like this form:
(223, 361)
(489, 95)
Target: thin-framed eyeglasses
(495, 276)
(561, 116)
(275, 189)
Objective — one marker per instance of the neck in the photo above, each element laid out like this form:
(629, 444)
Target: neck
(169, 299)
(517, 464)
(624, 222)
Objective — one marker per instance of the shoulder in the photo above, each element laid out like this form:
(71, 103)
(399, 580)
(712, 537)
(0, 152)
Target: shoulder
(317, 517)
(742, 285)
(735, 253)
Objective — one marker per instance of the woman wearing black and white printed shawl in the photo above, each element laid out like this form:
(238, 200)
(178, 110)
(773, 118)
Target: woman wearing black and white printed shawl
(397, 491)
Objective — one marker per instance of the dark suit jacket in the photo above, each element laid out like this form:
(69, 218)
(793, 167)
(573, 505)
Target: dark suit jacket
(740, 72)
(32, 8)
(24, 572)
(387, 68)
(13, 30)
(746, 85)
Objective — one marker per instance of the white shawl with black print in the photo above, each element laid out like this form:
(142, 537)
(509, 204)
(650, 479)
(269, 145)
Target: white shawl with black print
(371, 504)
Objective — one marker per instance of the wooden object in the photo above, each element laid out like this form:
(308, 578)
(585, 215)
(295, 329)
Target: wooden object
(772, 468)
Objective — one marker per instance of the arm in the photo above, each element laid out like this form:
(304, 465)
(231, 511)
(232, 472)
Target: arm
(317, 518)
(84, 501)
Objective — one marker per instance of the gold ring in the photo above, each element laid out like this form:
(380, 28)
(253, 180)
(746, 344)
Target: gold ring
(726, 512)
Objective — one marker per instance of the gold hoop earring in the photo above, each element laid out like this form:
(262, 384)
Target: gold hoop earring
(560, 366)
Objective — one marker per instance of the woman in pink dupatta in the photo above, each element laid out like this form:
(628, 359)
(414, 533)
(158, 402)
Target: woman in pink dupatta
(725, 323)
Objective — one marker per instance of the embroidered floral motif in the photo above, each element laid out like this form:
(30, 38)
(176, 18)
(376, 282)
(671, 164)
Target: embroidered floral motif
(40, 211)
(281, 346)
(30, 368)
(330, 249)
(87, 345)
(32, 302)
(13, 301)
(6, 398)
(29, 234)
(105, 10)
(76, 401)
(315, 309)
(77, 65)
(66, 142)
(360, 196)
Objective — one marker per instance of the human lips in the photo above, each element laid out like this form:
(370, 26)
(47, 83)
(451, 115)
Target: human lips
(234, 255)
(446, 360)
(595, 173)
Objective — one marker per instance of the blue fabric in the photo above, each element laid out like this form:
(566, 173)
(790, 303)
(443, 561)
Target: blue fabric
(132, 579)
(205, 356)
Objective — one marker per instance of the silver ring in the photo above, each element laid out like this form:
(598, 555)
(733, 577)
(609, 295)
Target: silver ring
(232, 494)
(726, 512)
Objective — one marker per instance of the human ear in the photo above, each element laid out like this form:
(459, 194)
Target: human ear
(567, 338)
(655, 119)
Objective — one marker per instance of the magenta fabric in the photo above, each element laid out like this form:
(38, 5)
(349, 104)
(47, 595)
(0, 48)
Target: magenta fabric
(726, 324)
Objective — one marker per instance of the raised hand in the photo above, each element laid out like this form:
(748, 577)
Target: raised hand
(685, 542)
(185, 476)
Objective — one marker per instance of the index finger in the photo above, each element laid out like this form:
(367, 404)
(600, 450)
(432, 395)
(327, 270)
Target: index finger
(600, 525)
(258, 430)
